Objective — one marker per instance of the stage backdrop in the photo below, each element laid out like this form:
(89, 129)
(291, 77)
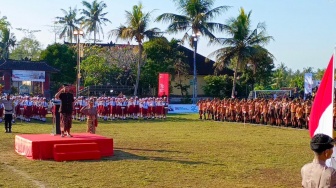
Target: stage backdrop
(28, 75)
(163, 85)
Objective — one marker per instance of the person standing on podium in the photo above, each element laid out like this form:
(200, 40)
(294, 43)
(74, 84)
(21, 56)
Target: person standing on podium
(9, 110)
(67, 99)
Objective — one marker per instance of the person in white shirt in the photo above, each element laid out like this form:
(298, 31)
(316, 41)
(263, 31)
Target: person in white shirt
(9, 110)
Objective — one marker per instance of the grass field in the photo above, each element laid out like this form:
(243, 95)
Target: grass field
(181, 151)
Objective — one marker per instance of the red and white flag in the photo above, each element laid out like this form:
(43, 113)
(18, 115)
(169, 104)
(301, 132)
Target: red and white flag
(321, 116)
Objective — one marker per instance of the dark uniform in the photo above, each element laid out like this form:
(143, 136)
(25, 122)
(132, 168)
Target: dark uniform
(9, 110)
(67, 100)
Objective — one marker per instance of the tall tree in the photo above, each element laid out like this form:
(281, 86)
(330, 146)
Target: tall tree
(63, 58)
(162, 56)
(137, 28)
(196, 16)
(69, 23)
(261, 64)
(7, 42)
(95, 70)
(29, 48)
(242, 44)
(7, 39)
(279, 76)
(94, 17)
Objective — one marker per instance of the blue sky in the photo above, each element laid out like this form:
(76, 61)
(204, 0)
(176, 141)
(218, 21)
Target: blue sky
(304, 31)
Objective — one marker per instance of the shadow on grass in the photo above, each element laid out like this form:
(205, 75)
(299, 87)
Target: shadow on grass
(122, 155)
(169, 119)
(160, 151)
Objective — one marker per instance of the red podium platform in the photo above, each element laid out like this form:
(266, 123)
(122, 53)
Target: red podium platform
(41, 146)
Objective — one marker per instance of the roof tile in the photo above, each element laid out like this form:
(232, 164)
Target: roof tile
(10, 64)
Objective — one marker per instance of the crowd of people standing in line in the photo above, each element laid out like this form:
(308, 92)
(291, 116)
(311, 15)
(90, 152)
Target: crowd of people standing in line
(107, 108)
(122, 108)
(26, 108)
(281, 111)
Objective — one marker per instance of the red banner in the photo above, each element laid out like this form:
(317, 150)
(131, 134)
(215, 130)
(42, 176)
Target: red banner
(163, 90)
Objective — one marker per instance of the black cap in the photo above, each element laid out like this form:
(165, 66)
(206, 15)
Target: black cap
(321, 142)
(64, 85)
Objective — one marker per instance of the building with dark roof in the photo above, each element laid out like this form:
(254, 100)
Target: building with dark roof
(204, 66)
(7, 67)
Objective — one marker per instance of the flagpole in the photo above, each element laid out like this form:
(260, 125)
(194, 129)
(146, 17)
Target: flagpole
(332, 162)
(333, 90)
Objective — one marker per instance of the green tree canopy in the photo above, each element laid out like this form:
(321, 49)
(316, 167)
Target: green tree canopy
(161, 56)
(95, 67)
(63, 58)
(27, 48)
(218, 86)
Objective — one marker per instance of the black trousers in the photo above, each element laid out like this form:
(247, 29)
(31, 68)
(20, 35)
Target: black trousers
(8, 121)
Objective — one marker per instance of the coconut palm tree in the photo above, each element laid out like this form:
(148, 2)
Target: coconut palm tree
(279, 76)
(69, 23)
(242, 44)
(94, 18)
(7, 39)
(136, 28)
(195, 17)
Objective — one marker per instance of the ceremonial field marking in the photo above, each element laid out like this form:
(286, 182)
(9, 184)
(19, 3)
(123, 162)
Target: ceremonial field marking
(25, 175)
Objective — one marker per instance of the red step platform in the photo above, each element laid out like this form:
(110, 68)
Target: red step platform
(76, 151)
(46, 146)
